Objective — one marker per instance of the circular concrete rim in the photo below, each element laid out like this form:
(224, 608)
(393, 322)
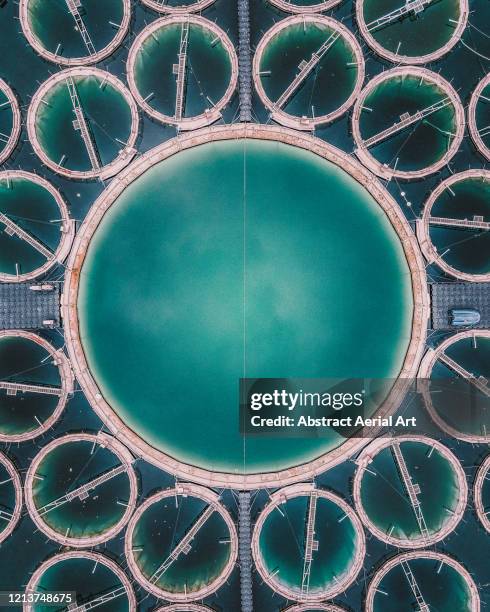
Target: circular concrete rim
(72, 278)
(67, 381)
(186, 490)
(363, 462)
(293, 121)
(319, 606)
(16, 122)
(77, 554)
(124, 457)
(387, 172)
(425, 370)
(209, 116)
(196, 6)
(290, 7)
(421, 554)
(184, 607)
(478, 493)
(67, 227)
(124, 156)
(482, 148)
(74, 61)
(423, 234)
(300, 490)
(17, 484)
(410, 59)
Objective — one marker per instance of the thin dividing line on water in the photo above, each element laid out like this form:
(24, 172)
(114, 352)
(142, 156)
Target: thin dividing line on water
(244, 269)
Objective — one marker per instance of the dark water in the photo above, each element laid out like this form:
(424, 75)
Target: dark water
(68, 467)
(282, 544)
(87, 579)
(437, 481)
(53, 25)
(419, 35)
(464, 249)
(6, 121)
(24, 361)
(7, 496)
(208, 70)
(108, 115)
(419, 145)
(33, 208)
(329, 84)
(162, 527)
(176, 261)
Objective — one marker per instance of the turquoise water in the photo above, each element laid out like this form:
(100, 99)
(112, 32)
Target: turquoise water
(24, 361)
(53, 25)
(445, 590)
(68, 467)
(87, 579)
(33, 208)
(232, 259)
(448, 402)
(282, 544)
(428, 31)
(7, 495)
(106, 111)
(327, 87)
(421, 144)
(208, 70)
(437, 481)
(6, 121)
(162, 527)
(469, 250)
(483, 116)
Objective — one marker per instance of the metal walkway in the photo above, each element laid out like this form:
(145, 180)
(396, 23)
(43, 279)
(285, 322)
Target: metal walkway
(422, 606)
(244, 61)
(481, 383)
(245, 551)
(411, 6)
(73, 7)
(97, 601)
(180, 70)
(310, 543)
(306, 68)
(14, 388)
(412, 490)
(12, 229)
(183, 547)
(406, 120)
(82, 125)
(449, 296)
(82, 491)
(476, 223)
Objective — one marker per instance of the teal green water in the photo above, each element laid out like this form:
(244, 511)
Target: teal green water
(464, 249)
(446, 590)
(282, 544)
(232, 259)
(7, 495)
(32, 208)
(460, 405)
(53, 25)
(483, 116)
(427, 32)
(68, 467)
(6, 121)
(163, 525)
(437, 481)
(87, 579)
(327, 87)
(208, 70)
(24, 361)
(419, 145)
(108, 116)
